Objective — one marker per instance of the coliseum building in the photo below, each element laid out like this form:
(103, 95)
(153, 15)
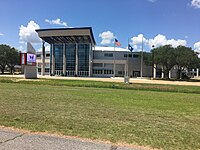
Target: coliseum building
(73, 52)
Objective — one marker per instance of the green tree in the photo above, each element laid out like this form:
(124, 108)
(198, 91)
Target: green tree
(3, 57)
(147, 58)
(9, 57)
(186, 58)
(164, 56)
(13, 60)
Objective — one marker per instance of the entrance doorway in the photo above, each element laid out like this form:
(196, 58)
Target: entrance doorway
(136, 73)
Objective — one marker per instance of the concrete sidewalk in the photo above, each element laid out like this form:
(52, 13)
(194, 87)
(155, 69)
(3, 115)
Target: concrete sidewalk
(116, 79)
(19, 140)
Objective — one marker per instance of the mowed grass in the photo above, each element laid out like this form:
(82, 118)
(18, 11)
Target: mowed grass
(167, 120)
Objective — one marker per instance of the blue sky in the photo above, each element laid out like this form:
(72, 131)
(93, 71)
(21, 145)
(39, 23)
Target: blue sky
(159, 22)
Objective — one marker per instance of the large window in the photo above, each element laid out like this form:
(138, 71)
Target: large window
(38, 55)
(83, 57)
(47, 55)
(70, 49)
(97, 64)
(106, 65)
(108, 71)
(108, 55)
(128, 55)
(58, 49)
(97, 71)
(47, 70)
(70, 57)
(135, 56)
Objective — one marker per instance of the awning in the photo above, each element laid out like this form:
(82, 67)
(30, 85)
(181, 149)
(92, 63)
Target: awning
(67, 35)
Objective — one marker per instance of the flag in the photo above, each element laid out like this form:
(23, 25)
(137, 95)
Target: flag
(130, 47)
(117, 43)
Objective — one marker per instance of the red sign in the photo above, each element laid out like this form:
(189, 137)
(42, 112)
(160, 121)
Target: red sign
(27, 59)
(23, 59)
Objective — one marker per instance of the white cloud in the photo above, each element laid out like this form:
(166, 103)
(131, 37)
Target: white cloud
(159, 40)
(195, 3)
(135, 47)
(28, 34)
(107, 37)
(136, 42)
(197, 46)
(47, 48)
(57, 22)
(1, 34)
(176, 43)
(138, 39)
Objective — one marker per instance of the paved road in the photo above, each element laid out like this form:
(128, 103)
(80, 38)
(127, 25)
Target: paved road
(18, 140)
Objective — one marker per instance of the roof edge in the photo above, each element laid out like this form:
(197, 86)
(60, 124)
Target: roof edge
(73, 28)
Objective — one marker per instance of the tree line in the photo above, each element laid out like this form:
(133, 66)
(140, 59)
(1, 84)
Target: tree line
(182, 58)
(9, 57)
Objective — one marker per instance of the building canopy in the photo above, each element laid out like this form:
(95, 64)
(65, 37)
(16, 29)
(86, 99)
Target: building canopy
(67, 35)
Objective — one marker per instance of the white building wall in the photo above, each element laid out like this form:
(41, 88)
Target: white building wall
(132, 64)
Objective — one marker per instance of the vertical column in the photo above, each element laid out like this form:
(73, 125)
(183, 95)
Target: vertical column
(64, 60)
(162, 75)
(127, 64)
(76, 69)
(193, 72)
(125, 69)
(197, 72)
(43, 59)
(154, 71)
(52, 60)
(170, 74)
(90, 60)
(114, 64)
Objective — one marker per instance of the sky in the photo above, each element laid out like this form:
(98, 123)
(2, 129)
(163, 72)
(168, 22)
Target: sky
(155, 22)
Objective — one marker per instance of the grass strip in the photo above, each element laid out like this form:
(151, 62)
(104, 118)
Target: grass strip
(167, 120)
(100, 84)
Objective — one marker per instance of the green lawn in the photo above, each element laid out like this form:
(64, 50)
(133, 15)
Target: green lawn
(105, 111)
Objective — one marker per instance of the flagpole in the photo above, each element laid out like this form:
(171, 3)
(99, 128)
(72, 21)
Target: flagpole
(114, 61)
(128, 59)
(116, 43)
(141, 67)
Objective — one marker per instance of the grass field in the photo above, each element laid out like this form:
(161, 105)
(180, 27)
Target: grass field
(159, 116)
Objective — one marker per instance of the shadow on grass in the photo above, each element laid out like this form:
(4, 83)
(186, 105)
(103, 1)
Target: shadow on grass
(185, 80)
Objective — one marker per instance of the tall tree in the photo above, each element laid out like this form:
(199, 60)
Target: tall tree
(3, 57)
(186, 58)
(9, 57)
(164, 56)
(13, 60)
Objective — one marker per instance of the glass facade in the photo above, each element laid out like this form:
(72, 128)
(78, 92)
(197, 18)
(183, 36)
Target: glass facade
(83, 57)
(58, 52)
(82, 64)
(70, 57)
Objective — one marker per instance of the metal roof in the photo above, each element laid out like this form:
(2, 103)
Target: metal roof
(67, 35)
